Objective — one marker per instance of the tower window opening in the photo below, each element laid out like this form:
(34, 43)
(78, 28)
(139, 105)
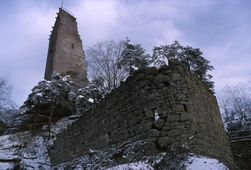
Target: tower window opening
(72, 45)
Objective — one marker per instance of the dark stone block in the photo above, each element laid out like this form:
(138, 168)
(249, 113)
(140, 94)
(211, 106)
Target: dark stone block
(2, 127)
(149, 114)
(139, 76)
(161, 78)
(153, 133)
(176, 76)
(159, 123)
(165, 141)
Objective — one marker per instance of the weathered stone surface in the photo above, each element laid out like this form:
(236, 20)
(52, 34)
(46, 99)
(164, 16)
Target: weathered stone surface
(178, 108)
(152, 71)
(163, 112)
(159, 123)
(150, 140)
(2, 127)
(176, 76)
(161, 78)
(186, 116)
(165, 132)
(153, 133)
(242, 153)
(149, 114)
(175, 132)
(181, 97)
(165, 141)
(189, 107)
(147, 125)
(140, 76)
(65, 52)
(173, 117)
(168, 127)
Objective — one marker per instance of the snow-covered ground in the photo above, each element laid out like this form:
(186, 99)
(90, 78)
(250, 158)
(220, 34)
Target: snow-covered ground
(194, 162)
(197, 162)
(132, 166)
(22, 150)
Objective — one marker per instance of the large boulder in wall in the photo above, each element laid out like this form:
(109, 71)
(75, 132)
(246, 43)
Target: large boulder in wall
(2, 127)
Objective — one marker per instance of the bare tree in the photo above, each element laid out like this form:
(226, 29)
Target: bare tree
(236, 107)
(7, 106)
(104, 60)
(4, 93)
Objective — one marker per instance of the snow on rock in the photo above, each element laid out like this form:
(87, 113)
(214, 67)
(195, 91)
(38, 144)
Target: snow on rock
(197, 162)
(6, 165)
(35, 155)
(135, 68)
(10, 149)
(156, 116)
(46, 92)
(60, 125)
(90, 100)
(193, 162)
(127, 156)
(66, 78)
(24, 151)
(133, 166)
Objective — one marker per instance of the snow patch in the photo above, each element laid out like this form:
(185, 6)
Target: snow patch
(90, 100)
(156, 116)
(80, 96)
(66, 78)
(133, 166)
(6, 165)
(197, 162)
(135, 68)
(39, 94)
(35, 155)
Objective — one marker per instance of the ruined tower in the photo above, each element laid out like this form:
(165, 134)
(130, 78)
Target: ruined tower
(65, 52)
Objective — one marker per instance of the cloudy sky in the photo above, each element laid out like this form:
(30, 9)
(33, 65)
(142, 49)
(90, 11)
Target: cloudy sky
(221, 28)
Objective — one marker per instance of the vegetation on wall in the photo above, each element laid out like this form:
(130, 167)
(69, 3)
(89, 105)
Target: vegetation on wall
(191, 57)
(111, 62)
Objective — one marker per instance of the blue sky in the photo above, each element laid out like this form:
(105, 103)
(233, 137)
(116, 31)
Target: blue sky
(221, 28)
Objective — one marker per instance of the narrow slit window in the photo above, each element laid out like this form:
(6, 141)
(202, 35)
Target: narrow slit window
(72, 45)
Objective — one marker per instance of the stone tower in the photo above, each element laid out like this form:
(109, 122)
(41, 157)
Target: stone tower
(65, 53)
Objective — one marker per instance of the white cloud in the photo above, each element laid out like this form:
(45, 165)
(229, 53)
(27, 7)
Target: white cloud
(146, 22)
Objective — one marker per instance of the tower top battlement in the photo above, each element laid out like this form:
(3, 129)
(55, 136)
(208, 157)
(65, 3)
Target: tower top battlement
(65, 53)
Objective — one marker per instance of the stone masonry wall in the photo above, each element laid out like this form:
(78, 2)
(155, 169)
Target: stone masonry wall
(207, 129)
(165, 107)
(242, 153)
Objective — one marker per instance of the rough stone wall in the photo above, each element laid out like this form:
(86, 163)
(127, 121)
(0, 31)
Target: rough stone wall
(167, 107)
(242, 153)
(65, 53)
(2, 127)
(209, 137)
